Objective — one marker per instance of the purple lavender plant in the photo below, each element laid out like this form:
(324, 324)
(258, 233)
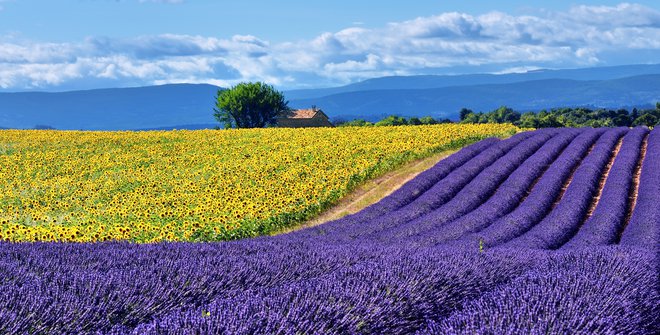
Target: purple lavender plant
(606, 222)
(437, 195)
(473, 194)
(643, 230)
(504, 199)
(539, 202)
(420, 261)
(564, 220)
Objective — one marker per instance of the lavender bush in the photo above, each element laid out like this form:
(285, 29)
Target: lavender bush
(539, 201)
(431, 258)
(606, 222)
(506, 196)
(475, 192)
(437, 195)
(643, 229)
(563, 221)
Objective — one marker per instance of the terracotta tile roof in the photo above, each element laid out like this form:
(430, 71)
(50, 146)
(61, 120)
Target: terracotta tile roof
(303, 113)
(311, 117)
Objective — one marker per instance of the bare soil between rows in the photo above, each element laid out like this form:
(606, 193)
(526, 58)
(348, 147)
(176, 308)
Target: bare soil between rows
(373, 191)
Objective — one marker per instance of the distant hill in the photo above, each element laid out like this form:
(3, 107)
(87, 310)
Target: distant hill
(187, 106)
(184, 126)
(438, 81)
(523, 96)
(151, 107)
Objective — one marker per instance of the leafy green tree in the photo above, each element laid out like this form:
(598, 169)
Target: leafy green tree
(503, 115)
(604, 122)
(646, 119)
(549, 121)
(483, 117)
(249, 105)
(464, 113)
(471, 118)
(428, 120)
(414, 121)
(621, 118)
(356, 123)
(528, 120)
(634, 114)
(392, 120)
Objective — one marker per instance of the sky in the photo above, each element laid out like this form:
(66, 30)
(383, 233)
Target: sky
(48, 45)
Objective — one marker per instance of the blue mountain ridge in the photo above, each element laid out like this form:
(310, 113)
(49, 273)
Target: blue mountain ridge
(190, 106)
(438, 81)
(445, 102)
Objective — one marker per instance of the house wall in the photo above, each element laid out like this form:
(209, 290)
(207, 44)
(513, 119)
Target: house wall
(316, 121)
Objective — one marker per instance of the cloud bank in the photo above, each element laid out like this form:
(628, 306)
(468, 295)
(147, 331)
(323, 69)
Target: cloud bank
(444, 43)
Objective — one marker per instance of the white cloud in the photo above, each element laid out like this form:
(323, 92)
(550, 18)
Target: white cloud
(446, 25)
(518, 69)
(622, 15)
(160, 46)
(501, 42)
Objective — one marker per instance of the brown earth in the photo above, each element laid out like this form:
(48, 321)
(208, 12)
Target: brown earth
(568, 180)
(603, 178)
(635, 182)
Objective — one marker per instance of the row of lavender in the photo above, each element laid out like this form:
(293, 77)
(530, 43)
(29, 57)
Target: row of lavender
(356, 229)
(296, 287)
(414, 262)
(531, 191)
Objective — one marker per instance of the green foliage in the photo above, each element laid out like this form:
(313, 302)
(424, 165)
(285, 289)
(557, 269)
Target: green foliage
(428, 120)
(501, 115)
(392, 121)
(649, 120)
(356, 123)
(529, 120)
(414, 121)
(550, 120)
(249, 105)
(464, 113)
(566, 117)
(554, 118)
(472, 118)
(635, 114)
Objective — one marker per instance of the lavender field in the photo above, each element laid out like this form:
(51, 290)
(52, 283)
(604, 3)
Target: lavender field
(554, 231)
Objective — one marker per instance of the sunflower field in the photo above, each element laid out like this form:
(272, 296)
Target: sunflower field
(204, 185)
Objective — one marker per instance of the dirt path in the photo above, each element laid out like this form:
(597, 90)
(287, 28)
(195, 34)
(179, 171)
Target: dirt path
(568, 180)
(372, 191)
(634, 188)
(603, 179)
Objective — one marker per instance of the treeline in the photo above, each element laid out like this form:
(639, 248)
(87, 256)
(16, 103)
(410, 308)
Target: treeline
(566, 117)
(554, 118)
(392, 120)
